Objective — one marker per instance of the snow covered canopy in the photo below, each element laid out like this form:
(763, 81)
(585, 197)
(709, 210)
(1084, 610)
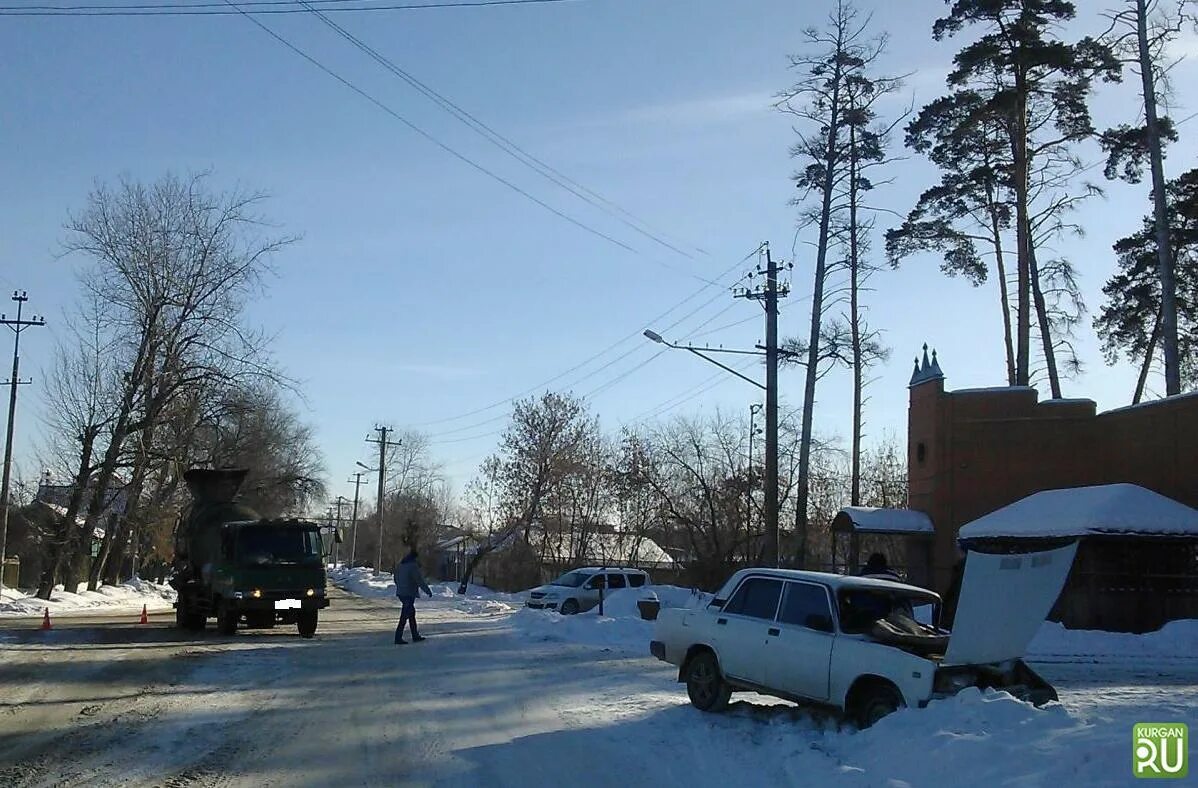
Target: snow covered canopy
(871, 520)
(1103, 510)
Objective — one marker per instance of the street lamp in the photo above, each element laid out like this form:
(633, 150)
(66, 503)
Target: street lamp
(771, 423)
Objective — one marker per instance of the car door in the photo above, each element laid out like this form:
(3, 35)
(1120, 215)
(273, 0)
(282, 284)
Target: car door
(742, 628)
(588, 595)
(799, 646)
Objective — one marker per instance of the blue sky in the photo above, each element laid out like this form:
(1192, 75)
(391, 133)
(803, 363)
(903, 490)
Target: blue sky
(421, 289)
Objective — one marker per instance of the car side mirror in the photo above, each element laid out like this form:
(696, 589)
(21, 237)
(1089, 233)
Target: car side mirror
(818, 622)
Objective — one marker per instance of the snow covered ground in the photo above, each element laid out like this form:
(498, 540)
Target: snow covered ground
(127, 596)
(1107, 682)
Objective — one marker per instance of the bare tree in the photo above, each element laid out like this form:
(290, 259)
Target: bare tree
(822, 104)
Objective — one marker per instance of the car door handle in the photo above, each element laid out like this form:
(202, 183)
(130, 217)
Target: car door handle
(775, 631)
(721, 621)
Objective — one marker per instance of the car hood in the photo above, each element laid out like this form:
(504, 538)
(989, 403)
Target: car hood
(1004, 600)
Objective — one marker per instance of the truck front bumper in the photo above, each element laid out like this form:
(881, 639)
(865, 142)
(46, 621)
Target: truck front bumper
(280, 603)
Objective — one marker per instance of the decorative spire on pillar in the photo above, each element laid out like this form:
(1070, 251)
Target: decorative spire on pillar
(926, 370)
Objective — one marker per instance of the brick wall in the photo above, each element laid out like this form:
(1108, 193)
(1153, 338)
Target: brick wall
(973, 451)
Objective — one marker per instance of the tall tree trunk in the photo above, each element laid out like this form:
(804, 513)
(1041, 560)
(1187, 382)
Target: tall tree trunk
(1050, 356)
(62, 549)
(1000, 265)
(803, 492)
(1146, 364)
(855, 320)
(1160, 209)
(1020, 166)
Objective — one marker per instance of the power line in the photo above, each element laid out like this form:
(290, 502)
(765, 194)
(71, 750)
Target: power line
(453, 152)
(636, 334)
(257, 7)
(499, 140)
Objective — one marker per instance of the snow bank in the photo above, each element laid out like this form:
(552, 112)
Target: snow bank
(986, 738)
(620, 626)
(1175, 639)
(127, 596)
(477, 599)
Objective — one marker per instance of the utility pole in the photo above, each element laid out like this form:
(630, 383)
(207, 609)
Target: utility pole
(383, 443)
(768, 295)
(754, 409)
(353, 540)
(340, 501)
(18, 325)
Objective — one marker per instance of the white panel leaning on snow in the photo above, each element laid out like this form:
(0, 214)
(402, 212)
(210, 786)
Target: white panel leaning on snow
(1004, 600)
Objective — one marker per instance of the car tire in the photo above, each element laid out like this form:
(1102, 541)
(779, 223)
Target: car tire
(705, 685)
(877, 702)
(569, 607)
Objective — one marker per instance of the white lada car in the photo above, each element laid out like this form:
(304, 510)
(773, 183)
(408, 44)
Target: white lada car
(864, 646)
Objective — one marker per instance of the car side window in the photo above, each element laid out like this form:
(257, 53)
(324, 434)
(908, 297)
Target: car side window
(756, 597)
(806, 605)
(595, 582)
(636, 581)
(615, 581)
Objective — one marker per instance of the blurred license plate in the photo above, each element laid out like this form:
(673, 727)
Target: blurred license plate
(287, 604)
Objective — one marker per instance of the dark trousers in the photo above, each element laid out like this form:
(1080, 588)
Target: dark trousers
(407, 613)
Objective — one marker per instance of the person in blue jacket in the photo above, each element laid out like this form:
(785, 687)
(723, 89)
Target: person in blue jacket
(409, 582)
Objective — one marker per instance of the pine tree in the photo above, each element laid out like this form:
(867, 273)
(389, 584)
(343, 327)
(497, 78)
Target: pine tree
(1141, 42)
(1130, 321)
(1019, 85)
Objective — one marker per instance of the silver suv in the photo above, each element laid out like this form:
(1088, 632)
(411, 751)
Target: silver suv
(578, 590)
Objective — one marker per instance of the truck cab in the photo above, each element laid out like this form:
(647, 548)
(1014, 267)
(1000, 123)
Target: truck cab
(243, 569)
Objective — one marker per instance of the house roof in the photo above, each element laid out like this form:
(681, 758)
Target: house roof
(1087, 511)
(872, 520)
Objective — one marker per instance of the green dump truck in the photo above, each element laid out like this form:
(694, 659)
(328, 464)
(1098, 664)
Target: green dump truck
(236, 566)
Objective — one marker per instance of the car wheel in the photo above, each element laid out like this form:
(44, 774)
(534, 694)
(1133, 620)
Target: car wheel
(569, 607)
(876, 703)
(704, 685)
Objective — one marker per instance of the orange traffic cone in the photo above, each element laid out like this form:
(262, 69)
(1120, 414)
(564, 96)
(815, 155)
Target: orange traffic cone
(46, 620)
(144, 618)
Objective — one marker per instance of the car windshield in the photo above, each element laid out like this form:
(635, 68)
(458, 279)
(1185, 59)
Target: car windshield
(571, 579)
(860, 607)
(259, 545)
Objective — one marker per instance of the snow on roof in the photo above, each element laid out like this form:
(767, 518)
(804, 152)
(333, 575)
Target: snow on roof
(1152, 402)
(992, 389)
(872, 520)
(607, 548)
(1087, 511)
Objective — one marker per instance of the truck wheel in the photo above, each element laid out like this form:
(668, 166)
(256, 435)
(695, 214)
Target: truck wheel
(704, 685)
(569, 607)
(226, 619)
(305, 622)
(186, 618)
(876, 703)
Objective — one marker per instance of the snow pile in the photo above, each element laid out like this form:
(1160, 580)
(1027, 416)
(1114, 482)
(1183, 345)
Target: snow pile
(127, 596)
(985, 738)
(1175, 639)
(477, 599)
(620, 626)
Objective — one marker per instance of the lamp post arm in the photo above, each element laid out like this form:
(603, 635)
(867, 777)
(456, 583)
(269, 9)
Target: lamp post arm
(726, 368)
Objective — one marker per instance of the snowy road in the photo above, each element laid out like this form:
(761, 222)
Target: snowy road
(481, 704)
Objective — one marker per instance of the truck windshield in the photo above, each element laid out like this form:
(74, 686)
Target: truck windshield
(261, 545)
(571, 579)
